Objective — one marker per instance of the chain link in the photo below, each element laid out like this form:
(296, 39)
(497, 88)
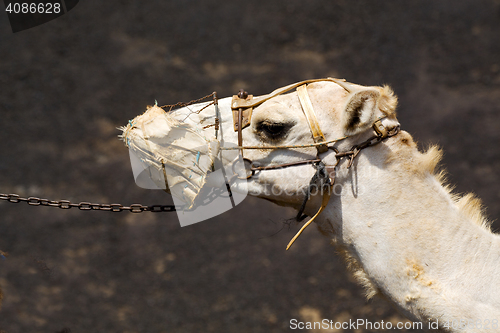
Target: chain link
(372, 141)
(66, 204)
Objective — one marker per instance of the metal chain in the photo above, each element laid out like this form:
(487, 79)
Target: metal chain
(134, 208)
(65, 204)
(355, 150)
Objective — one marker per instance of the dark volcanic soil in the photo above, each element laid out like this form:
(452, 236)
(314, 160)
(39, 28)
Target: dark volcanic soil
(67, 85)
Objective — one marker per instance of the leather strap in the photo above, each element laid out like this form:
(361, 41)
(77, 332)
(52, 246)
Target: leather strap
(242, 106)
(253, 102)
(240, 128)
(305, 101)
(324, 203)
(246, 112)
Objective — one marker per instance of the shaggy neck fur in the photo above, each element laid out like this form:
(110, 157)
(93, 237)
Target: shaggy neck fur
(406, 237)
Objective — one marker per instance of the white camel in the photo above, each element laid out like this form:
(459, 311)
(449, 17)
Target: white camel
(404, 235)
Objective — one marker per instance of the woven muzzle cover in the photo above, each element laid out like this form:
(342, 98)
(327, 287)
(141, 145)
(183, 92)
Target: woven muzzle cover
(185, 160)
(174, 155)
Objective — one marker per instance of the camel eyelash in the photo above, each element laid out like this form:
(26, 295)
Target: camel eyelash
(272, 130)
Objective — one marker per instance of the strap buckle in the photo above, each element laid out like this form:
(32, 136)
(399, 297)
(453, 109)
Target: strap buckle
(237, 104)
(380, 129)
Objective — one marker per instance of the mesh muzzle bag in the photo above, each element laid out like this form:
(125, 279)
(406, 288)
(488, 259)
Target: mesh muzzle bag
(176, 156)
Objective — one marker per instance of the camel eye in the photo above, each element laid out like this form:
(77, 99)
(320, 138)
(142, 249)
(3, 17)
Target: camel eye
(273, 131)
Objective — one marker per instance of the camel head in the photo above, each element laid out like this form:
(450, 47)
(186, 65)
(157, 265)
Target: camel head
(283, 131)
(341, 109)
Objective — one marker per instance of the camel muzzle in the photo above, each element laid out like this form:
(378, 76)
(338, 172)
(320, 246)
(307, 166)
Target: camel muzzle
(207, 176)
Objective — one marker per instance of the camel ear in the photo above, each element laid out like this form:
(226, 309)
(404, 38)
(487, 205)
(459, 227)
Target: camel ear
(360, 110)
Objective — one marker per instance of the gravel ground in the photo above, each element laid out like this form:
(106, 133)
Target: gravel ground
(67, 85)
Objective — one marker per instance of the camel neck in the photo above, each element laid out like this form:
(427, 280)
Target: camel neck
(415, 243)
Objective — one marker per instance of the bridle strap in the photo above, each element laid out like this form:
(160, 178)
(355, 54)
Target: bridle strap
(242, 105)
(240, 125)
(381, 134)
(324, 203)
(308, 109)
(255, 101)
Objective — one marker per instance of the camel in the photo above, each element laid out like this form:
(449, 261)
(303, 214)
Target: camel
(403, 233)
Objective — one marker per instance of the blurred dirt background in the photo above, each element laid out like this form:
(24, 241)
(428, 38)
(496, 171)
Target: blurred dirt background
(67, 85)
